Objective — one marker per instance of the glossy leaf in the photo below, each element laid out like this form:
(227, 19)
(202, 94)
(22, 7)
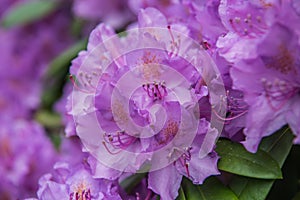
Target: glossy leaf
(211, 189)
(237, 160)
(48, 119)
(63, 61)
(297, 196)
(278, 146)
(181, 195)
(250, 188)
(131, 182)
(28, 12)
(56, 75)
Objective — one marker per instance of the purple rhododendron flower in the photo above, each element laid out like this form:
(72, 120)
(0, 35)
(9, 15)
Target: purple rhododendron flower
(157, 123)
(71, 178)
(75, 183)
(153, 99)
(25, 154)
(247, 23)
(271, 85)
(263, 51)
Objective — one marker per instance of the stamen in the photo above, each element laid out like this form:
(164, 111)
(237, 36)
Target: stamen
(88, 195)
(174, 44)
(184, 160)
(71, 77)
(205, 45)
(71, 196)
(120, 141)
(172, 37)
(81, 193)
(137, 195)
(236, 107)
(187, 169)
(247, 25)
(156, 91)
(149, 193)
(110, 152)
(229, 118)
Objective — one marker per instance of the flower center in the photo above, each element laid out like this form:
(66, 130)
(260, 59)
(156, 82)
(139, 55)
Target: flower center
(279, 92)
(81, 193)
(156, 91)
(247, 19)
(168, 132)
(120, 115)
(283, 62)
(119, 141)
(150, 66)
(5, 148)
(236, 107)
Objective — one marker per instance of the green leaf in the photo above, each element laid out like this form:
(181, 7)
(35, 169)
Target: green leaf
(26, 13)
(48, 119)
(237, 160)
(250, 188)
(297, 196)
(131, 182)
(278, 146)
(181, 195)
(63, 61)
(211, 189)
(57, 72)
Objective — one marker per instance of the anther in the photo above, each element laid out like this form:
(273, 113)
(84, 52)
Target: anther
(156, 91)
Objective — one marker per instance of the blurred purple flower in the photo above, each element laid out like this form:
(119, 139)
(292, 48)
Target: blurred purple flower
(28, 51)
(114, 12)
(271, 85)
(25, 154)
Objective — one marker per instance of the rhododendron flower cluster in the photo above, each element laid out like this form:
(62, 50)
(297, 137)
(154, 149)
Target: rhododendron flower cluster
(148, 99)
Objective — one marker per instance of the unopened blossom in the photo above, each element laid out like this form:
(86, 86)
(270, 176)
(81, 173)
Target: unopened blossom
(128, 106)
(25, 155)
